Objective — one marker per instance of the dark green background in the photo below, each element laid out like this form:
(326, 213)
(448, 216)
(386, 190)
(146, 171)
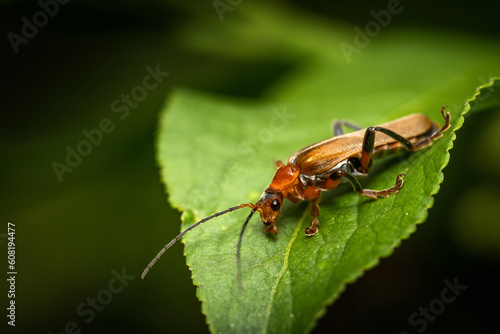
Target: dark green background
(111, 212)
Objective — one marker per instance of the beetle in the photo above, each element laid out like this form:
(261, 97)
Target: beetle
(321, 166)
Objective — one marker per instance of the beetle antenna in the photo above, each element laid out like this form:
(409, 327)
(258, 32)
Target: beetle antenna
(144, 273)
(238, 250)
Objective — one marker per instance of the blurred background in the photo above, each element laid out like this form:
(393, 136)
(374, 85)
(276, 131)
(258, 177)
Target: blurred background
(84, 237)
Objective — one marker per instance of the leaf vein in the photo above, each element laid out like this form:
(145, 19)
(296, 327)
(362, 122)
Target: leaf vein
(284, 268)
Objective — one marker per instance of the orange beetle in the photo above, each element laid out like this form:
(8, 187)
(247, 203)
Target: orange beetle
(321, 166)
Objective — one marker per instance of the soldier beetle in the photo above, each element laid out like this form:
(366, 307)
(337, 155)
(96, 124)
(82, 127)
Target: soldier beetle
(321, 166)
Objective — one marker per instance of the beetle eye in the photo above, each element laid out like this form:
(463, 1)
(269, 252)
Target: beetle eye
(275, 205)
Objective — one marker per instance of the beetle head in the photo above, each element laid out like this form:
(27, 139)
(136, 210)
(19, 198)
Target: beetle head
(269, 204)
(269, 207)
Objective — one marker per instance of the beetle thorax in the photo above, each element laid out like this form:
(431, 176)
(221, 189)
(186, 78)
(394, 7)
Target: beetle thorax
(285, 177)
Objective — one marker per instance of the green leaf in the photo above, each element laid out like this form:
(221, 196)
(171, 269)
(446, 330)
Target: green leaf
(210, 164)
(217, 152)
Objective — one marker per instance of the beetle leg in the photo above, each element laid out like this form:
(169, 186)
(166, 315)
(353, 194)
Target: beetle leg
(313, 229)
(369, 143)
(313, 194)
(385, 192)
(278, 163)
(338, 127)
(436, 134)
(369, 192)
